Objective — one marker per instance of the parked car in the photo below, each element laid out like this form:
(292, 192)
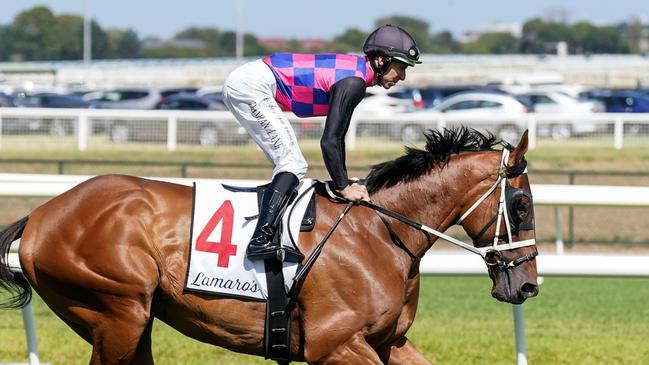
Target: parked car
(131, 98)
(556, 102)
(178, 90)
(619, 101)
(211, 92)
(642, 90)
(434, 94)
(479, 104)
(205, 133)
(622, 101)
(50, 100)
(386, 102)
(189, 102)
(202, 132)
(397, 99)
(49, 125)
(6, 100)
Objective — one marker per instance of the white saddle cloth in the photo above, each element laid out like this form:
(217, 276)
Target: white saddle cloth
(219, 237)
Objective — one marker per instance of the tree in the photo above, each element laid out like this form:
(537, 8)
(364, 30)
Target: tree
(35, 34)
(416, 27)
(6, 43)
(99, 46)
(351, 40)
(634, 35)
(493, 43)
(70, 37)
(221, 43)
(443, 42)
(252, 46)
(589, 38)
(123, 43)
(208, 35)
(541, 37)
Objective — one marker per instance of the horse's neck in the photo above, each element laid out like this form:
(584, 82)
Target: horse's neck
(432, 200)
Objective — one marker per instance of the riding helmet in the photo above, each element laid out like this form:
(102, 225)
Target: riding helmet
(392, 41)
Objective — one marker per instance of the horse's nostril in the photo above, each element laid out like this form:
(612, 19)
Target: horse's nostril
(529, 290)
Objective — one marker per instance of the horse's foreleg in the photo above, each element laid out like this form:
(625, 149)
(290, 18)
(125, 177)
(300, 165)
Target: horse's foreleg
(355, 351)
(117, 336)
(143, 354)
(404, 352)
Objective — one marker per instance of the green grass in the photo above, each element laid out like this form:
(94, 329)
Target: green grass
(572, 321)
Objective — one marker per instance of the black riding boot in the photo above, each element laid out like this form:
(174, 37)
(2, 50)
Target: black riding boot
(273, 204)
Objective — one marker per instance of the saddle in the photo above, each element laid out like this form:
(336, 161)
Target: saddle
(309, 219)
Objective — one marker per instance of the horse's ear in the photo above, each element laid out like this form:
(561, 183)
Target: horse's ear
(518, 153)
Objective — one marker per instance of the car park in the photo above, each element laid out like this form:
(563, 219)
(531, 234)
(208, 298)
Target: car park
(397, 99)
(50, 100)
(204, 133)
(385, 102)
(619, 101)
(473, 104)
(560, 103)
(433, 95)
(177, 90)
(128, 98)
(189, 102)
(6, 100)
(50, 125)
(622, 101)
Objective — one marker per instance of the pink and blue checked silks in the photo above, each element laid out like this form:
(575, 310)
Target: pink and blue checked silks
(304, 80)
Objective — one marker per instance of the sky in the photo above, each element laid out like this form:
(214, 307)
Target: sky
(324, 18)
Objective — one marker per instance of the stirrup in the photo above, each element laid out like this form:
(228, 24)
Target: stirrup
(288, 254)
(278, 252)
(266, 251)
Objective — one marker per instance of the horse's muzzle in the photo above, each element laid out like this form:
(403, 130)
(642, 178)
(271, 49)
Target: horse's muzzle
(527, 290)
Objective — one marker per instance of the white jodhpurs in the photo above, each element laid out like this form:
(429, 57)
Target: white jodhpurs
(249, 93)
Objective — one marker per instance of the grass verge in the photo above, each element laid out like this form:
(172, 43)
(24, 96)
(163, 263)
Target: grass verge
(573, 321)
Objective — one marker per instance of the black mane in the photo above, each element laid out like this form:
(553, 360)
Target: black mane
(440, 145)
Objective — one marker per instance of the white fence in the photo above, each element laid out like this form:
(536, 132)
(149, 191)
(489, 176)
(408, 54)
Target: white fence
(434, 263)
(101, 128)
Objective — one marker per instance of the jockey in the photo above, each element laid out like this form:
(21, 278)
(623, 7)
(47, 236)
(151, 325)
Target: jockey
(310, 85)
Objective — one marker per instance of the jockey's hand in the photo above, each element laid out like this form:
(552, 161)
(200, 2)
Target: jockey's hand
(355, 192)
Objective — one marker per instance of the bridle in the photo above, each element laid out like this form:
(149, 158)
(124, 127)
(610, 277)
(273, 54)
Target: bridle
(509, 196)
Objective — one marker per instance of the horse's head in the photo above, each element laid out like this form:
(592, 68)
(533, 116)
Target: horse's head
(500, 221)
(460, 178)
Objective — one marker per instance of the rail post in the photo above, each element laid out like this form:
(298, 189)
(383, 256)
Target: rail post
(519, 332)
(84, 131)
(172, 132)
(618, 133)
(30, 333)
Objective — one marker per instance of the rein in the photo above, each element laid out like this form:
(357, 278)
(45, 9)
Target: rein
(491, 255)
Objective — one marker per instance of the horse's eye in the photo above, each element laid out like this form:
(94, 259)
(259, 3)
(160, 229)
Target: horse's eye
(521, 206)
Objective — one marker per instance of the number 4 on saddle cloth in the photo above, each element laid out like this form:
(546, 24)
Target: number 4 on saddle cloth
(223, 220)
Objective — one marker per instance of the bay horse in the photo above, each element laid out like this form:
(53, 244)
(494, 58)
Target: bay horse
(109, 255)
